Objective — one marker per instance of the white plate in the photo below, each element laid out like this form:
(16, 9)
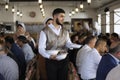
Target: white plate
(53, 52)
(61, 56)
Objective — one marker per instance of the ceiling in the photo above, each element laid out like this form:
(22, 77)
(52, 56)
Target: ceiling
(43, 0)
(95, 3)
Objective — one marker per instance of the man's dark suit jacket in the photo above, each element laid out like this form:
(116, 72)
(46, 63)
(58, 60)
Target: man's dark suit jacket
(1, 77)
(18, 53)
(106, 64)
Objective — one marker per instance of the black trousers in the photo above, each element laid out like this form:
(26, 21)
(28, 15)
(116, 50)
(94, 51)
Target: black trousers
(57, 70)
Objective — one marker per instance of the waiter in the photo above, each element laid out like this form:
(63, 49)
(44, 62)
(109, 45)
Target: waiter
(55, 37)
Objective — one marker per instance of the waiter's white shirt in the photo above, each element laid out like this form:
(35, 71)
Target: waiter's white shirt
(91, 61)
(43, 39)
(81, 56)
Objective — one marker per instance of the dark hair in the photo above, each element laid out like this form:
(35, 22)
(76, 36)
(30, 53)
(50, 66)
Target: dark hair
(115, 49)
(82, 35)
(78, 24)
(89, 38)
(48, 20)
(115, 35)
(19, 25)
(9, 39)
(57, 11)
(107, 34)
(2, 34)
(23, 39)
(73, 37)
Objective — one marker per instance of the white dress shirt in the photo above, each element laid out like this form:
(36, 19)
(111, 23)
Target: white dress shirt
(91, 61)
(43, 39)
(81, 55)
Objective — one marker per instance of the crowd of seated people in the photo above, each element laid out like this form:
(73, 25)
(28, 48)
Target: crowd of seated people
(92, 63)
(97, 56)
(17, 53)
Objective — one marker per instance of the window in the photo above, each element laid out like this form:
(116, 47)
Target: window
(107, 22)
(117, 21)
(98, 27)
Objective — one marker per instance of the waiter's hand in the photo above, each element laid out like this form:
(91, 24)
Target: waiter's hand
(53, 57)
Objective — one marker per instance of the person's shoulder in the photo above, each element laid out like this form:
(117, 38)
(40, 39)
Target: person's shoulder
(92, 51)
(115, 71)
(7, 60)
(107, 58)
(107, 55)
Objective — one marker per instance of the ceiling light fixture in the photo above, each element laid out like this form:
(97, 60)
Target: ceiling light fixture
(42, 10)
(43, 15)
(76, 10)
(21, 14)
(6, 6)
(81, 6)
(70, 14)
(73, 12)
(39, 1)
(88, 1)
(13, 9)
(18, 13)
(41, 6)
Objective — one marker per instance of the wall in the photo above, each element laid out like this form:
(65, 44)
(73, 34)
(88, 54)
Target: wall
(48, 10)
(9, 17)
(112, 7)
(6, 16)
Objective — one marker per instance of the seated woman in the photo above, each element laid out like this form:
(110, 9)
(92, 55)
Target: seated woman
(20, 30)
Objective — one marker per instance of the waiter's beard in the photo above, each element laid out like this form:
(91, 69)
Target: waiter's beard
(57, 21)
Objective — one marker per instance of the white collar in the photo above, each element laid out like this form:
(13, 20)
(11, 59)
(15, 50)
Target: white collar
(116, 59)
(53, 27)
(86, 45)
(56, 31)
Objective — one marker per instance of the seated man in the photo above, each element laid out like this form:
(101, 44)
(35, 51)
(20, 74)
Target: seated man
(108, 62)
(28, 52)
(89, 45)
(8, 67)
(92, 59)
(18, 54)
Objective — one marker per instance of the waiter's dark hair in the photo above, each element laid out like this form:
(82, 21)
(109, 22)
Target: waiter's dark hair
(57, 11)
